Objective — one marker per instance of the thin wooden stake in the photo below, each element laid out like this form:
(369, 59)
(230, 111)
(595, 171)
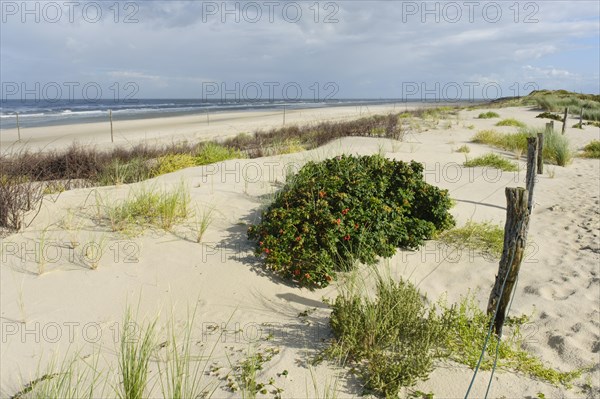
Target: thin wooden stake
(18, 127)
(564, 127)
(581, 118)
(515, 238)
(207, 117)
(284, 115)
(540, 153)
(112, 137)
(551, 126)
(532, 159)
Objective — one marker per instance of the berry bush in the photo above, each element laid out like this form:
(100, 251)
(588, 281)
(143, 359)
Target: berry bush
(348, 208)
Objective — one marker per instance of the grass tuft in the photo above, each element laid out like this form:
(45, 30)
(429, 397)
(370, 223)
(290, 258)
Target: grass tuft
(485, 238)
(510, 122)
(592, 149)
(146, 207)
(488, 115)
(493, 161)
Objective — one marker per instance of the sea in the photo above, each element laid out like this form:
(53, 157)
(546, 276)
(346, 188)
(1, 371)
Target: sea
(39, 113)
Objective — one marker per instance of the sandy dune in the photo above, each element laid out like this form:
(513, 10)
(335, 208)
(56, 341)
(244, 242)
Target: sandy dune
(244, 308)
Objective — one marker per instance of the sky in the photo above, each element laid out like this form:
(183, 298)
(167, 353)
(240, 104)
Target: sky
(297, 49)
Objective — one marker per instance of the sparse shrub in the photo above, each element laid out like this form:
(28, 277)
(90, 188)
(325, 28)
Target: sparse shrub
(344, 209)
(493, 161)
(592, 149)
(392, 339)
(488, 115)
(463, 149)
(18, 195)
(510, 122)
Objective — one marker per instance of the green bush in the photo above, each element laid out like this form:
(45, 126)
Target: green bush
(344, 209)
(557, 149)
(488, 115)
(486, 238)
(510, 122)
(493, 161)
(592, 149)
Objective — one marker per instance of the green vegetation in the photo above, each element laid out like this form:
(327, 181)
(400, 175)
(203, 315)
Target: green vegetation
(145, 207)
(347, 208)
(136, 346)
(592, 149)
(493, 161)
(550, 115)
(485, 238)
(488, 115)
(463, 149)
(393, 338)
(173, 162)
(557, 149)
(510, 122)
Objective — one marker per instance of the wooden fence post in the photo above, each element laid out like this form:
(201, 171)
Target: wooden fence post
(581, 118)
(532, 155)
(551, 126)
(515, 237)
(18, 128)
(564, 127)
(207, 118)
(112, 137)
(540, 153)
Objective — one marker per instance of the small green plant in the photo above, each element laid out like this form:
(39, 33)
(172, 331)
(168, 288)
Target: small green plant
(557, 149)
(488, 115)
(493, 161)
(484, 237)
(203, 220)
(510, 122)
(344, 209)
(592, 149)
(41, 253)
(463, 149)
(93, 250)
(135, 350)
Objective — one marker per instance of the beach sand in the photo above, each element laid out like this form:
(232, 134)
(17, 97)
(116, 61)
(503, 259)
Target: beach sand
(243, 309)
(178, 128)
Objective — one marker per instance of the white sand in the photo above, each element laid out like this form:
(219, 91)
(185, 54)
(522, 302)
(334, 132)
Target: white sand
(177, 128)
(167, 273)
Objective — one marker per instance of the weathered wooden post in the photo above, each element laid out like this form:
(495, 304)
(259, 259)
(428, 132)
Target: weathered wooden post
(540, 153)
(112, 137)
(564, 127)
(515, 237)
(18, 128)
(581, 118)
(532, 160)
(551, 126)
(207, 117)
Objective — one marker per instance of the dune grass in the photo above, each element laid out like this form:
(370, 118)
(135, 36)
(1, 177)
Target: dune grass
(482, 237)
(493, 161)
(488, 115)
(510, 122)
(135, 350)
(145, 207)
(464, 149)
(592, 149)
(557, 149)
